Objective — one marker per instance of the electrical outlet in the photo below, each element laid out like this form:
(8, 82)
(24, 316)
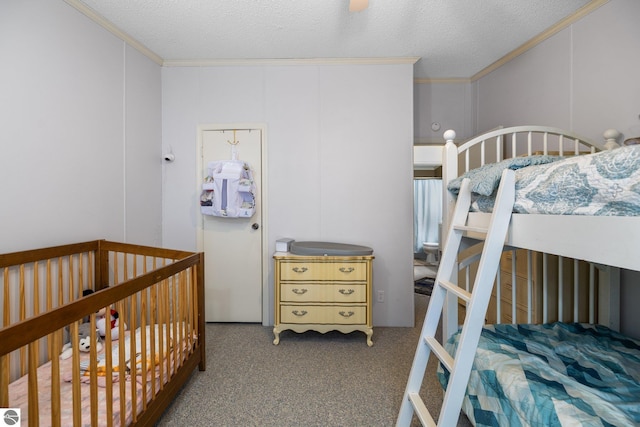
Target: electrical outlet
(380, 296)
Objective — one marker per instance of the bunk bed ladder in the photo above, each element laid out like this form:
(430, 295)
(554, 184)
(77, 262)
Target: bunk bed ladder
(477, 302)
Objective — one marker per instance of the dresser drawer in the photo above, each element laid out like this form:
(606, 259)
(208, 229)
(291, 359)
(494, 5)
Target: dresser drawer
(318, 314)
(319, 271)
(304, 292)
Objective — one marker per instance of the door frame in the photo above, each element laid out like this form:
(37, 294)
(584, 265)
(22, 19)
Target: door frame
(262, 127)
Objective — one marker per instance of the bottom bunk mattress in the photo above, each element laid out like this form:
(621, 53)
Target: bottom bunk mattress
(559, 374)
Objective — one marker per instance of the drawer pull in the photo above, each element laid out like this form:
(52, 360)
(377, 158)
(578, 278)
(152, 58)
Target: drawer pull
(299, 313)
(346, 269)
(346, 291)
(346, 314)
(299, 270)
(299, 291)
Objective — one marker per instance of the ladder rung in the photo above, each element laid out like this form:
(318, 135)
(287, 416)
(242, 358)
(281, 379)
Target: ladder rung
(440, 352)
(457, 290)
(470, 229)
(421, 410)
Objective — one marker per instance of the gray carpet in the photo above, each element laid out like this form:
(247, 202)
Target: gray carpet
(308, 379)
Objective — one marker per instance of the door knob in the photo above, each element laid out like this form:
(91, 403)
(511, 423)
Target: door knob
(255, 226)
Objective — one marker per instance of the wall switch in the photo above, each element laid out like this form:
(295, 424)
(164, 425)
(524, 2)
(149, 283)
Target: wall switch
(380, 296)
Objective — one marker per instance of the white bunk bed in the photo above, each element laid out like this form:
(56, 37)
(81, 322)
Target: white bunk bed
(595, 239)
(607, 242)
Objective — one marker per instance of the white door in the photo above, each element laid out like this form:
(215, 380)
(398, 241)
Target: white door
(233, 246)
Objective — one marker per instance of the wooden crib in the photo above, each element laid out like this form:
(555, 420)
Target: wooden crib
(158, 295)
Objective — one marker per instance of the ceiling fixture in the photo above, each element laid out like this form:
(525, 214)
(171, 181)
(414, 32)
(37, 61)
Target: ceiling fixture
(358, 5)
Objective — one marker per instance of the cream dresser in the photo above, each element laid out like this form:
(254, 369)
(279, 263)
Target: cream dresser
(323, 293)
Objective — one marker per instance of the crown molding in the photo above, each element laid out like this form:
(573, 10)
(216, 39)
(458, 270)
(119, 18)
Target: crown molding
(442, 80)
(288, 61)
(579, 14)
(100, 20)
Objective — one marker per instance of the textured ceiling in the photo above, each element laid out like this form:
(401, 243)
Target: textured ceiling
(453, 38)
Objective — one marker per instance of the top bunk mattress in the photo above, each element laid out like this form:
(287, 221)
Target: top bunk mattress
(552, 374)
(601, 184)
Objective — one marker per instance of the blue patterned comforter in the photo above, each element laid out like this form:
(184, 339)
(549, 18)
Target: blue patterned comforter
(555, 374)
(604, 183)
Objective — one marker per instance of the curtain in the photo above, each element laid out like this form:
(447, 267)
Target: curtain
(427, 211)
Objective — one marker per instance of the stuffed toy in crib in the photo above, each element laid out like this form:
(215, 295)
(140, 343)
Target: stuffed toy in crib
(106, 317)
(112, 322)
(84, 343)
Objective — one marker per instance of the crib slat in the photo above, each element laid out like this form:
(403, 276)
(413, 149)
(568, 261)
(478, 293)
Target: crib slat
(93, 371)
(36, 289)
(144, 347)
(153, 320)
(22, 303)
(4, 381)
(172, 322)
(60, 283)
(71, 292)
(6, 318)
(75, 362)
(55, 346)
(33, 411)
(108, 355)
(121, 365)
(132, 352)
(48, 290)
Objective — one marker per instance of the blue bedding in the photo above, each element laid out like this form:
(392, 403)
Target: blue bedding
(559, 374)
(604, 183)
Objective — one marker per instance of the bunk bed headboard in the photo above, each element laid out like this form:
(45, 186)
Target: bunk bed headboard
(502, 143)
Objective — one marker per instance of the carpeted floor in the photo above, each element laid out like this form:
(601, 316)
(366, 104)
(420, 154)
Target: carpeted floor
(308, 379)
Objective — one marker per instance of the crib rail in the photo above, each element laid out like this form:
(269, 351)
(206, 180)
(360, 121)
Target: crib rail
(158, 294)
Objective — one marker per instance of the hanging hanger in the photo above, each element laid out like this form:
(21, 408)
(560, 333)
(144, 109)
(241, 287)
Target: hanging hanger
(234, 143)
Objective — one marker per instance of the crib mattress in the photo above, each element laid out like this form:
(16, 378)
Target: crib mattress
(553, 374)
(133, 379)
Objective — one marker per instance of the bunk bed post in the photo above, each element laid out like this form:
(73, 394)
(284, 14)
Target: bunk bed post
(449, 172)
(609, 296)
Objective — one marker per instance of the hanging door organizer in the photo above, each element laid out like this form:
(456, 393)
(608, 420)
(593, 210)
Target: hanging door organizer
(228, 190)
